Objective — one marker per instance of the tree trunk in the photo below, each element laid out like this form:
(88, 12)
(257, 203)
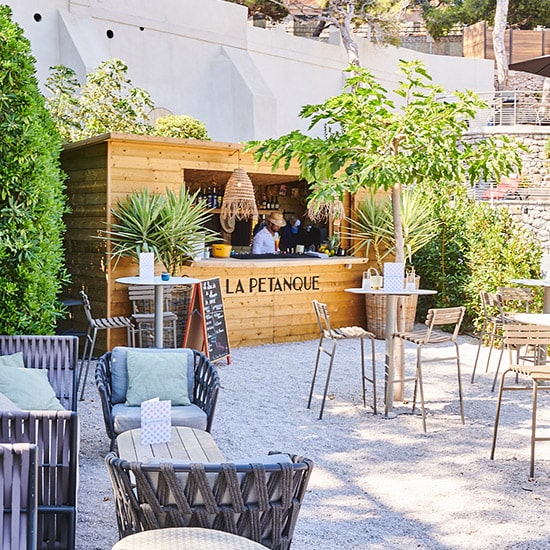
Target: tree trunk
(399, 352)
(499, 28)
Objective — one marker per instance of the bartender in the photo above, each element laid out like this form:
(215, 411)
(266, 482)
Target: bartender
(266, 241)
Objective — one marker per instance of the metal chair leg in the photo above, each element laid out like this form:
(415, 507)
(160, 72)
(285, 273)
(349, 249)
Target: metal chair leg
(329, 372)
(497, 414)
(88, 360)
(319, 350)
(459, 374)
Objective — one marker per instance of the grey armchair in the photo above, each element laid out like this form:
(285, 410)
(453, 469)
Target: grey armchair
(111, 381)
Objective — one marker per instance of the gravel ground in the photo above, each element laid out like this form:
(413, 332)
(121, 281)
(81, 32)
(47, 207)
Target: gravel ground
(377, 483)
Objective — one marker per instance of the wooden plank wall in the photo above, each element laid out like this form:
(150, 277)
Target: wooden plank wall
(259, 309)
(520, 45)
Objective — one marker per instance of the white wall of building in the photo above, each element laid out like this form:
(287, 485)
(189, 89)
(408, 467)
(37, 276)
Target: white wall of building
(200, 57)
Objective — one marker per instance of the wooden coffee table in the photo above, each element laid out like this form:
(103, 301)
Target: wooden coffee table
(187, 445)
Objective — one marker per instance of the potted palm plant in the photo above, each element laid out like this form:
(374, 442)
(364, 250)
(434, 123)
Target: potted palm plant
(172, 226)
(372, 228)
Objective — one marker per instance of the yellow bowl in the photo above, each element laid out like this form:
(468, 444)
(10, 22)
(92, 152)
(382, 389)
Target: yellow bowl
(221, 250)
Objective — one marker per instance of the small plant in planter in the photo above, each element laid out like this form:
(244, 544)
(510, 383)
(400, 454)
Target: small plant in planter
(171, 226)
(373, 226)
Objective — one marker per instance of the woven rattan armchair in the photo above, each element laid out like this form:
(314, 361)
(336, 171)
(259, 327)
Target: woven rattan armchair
(55, 434)
(206, 385)
(259, 501)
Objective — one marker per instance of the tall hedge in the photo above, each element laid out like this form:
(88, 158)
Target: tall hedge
(31, 193)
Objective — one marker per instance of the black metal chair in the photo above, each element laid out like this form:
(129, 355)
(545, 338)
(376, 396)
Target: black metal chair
(333, 335)
(94, 326)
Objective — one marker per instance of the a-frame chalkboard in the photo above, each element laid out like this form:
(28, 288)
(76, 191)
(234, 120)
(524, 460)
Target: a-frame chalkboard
(206, 330)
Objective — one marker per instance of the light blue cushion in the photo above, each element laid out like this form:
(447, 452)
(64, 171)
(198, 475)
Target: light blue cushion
(119, 370)
(29, 389)
(13, 360)
(129, 418)
(166, 379)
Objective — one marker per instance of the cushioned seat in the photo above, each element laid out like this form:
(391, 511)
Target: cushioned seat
(128, 418)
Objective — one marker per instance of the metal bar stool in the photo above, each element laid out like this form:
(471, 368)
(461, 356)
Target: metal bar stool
(536, 376)
(94, 326)
(437, 317)
(326, 333)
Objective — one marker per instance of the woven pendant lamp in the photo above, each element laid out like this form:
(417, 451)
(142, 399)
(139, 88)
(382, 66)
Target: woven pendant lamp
(239, 201)
(326, 211)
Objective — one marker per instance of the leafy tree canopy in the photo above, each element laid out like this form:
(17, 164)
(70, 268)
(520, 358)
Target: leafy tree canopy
(108, 102)
(372, 141)
(443, 15)
(276, 11)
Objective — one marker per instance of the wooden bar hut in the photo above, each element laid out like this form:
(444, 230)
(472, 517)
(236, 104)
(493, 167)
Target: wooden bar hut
(265, 301)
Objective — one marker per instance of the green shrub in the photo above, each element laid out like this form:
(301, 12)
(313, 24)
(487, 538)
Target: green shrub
(31, 194)
(108, 102)
(181, 126)
(478, 247)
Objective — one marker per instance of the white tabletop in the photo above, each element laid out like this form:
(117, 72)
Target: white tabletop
(532, 282)
(157, 281)
(382, 292)
(190, 538)
(531, 318)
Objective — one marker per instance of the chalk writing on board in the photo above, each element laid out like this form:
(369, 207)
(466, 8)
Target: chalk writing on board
(214, 319)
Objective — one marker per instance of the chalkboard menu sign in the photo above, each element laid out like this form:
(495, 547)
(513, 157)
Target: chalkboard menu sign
(206, 329)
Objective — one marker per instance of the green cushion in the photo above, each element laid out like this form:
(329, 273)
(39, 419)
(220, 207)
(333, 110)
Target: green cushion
(164, 377)
(29, 389)
(13, 360)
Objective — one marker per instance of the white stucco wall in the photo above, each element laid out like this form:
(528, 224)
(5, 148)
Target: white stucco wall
(200, 57)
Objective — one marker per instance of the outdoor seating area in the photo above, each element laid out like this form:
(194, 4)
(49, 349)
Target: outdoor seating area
(374, 478)
(224, 466)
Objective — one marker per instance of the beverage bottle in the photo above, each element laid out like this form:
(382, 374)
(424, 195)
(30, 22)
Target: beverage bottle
(209, 197)
(214, 198)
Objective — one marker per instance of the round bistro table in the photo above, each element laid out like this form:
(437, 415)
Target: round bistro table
(186, 538)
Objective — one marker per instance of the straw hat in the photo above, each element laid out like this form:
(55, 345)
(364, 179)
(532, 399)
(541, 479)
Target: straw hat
(276, 219)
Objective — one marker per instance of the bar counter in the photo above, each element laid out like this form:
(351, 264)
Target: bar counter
(269, 300)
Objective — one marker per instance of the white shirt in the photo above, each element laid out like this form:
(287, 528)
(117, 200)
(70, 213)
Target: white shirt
(264, 242)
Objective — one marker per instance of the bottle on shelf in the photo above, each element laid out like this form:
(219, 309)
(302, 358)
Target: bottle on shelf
(209, 197)
(220, 199)
(276, 205)
(214, 198)
(264, 202)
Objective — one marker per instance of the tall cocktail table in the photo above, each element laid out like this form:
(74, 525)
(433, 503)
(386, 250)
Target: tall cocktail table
(158, 283)
(391, 318)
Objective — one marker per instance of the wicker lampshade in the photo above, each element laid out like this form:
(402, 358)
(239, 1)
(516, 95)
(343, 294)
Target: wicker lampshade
(238, 200)
(326, 211)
